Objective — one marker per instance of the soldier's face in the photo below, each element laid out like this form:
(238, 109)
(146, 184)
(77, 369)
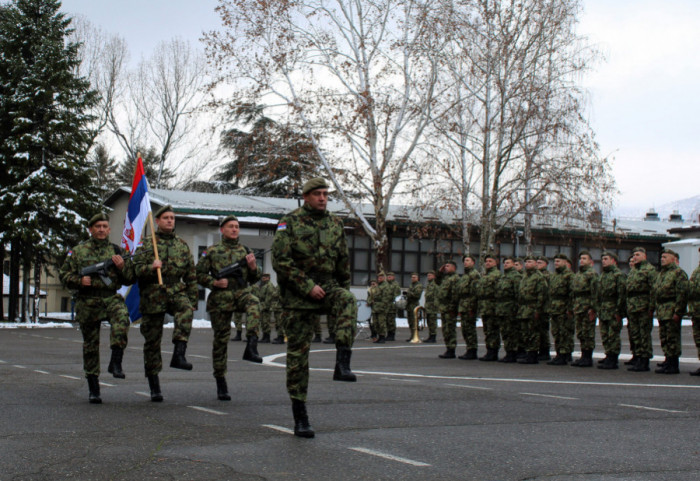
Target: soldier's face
(607, 261)
(489, 262)
(381, 279)
(468, 262)
(585, 260)
(518, 266)
(166, 222)
(431, 277)
(667, 259)
(508, 264)
(230, 230)
(100, 230)
(414, 278)
(530, 264)
(639, 257)
(317, 199)
(390, 278)
(559, 263)
(541, 265)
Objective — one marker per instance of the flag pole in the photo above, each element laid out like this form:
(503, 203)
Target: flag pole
(155, 247)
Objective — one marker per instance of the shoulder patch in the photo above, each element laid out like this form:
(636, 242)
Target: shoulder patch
(282, 226)
(70, 253)
(204, 254)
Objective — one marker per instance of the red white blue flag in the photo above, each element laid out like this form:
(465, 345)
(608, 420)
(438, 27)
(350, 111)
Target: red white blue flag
(136, 216)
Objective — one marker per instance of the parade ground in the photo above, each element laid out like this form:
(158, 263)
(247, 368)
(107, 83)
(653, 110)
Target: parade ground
(410, 416)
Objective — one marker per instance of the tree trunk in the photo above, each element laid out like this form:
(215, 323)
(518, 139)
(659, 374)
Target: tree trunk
(37, 289)
(13, 301)
(24, 310)
(2, 281)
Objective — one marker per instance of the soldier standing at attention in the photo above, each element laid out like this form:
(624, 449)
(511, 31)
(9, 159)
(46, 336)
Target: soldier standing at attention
(640, 309)
(266, 293)
(531, 304)
(97, 299)
(448, 299)
(412, 301)
(379, 301)
(584, 292)
(613, 306)
(393, 290)
(467, 293)
(228, 294)
(694, 310)
(176, 296)
(560, 310)
(486, 293)
(371, 295)
(670, 294)
(431, 307)
(545, 345)
(507, 309)
(518, 264)
(310, 256)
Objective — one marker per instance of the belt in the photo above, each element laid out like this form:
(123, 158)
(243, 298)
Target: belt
(95, 292)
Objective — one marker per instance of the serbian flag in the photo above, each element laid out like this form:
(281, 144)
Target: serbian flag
(136, 216)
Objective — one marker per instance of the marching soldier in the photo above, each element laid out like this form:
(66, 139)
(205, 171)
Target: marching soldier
(448, 299)
(177, 296)
(670, 294)
(412, 301)
(468, 303)
(694, 310)
(584, 292)
(96, 299)
(486, 293)
(531, 304)
(507, 309)
(266, 293)
(392, 290)
(640, 309)
(560, 302)
(431, 307)
(543, 267)
(613, 305)
(230, 292)
(238, 323)
(310, 256)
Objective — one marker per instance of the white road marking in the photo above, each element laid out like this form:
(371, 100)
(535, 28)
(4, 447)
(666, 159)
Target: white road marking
(41, 372)
(649, 408)
(141, 393)
(198, 356)
(470, 387)
(19, 366)
(402, 380)
(106, 384)
(207, 410)
(69, 377)
(549, 395)
(390, 457)
(3, 362)
(279, 428)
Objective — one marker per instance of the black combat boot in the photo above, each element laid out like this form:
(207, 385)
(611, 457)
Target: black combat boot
(342, 365)
(278, 340)
(604, 360)
(391, 336)
(521, 354)
(380, 340)
(510, 357)
(430, 339)
(251, 349)
(448, 354)
(544, 355)
(317, 338)
(559, 360)
(265, 339)
(491, 355)
(695, 373)
(586, 359)
(238, 336)
(302, 428)
(115, 363)
(222, 389)
(178, 361)
(642, 365)
(94, 387)
(154, 385)
(610, 362)
(470, 355)
(632, 361)
(530, 358)
(329, 340)
(671, 366)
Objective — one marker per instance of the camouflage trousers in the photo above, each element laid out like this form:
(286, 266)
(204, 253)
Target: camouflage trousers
(391, 321)
(380, 319)
(265, 324)
(300, 330)
(696, 333)
(563, 333)
(469, 331)
(449, 329)
(221, 324)
(239, 320)
(279, 326)
(544, 334)
(492, 332)
(640, 325)
(585, 331)
(431, 321)
(330, 322)
(510, 332)
(90, 312)
(610, 335)
(152, 331)
(411, 316)
(670, 337)
(530, 330)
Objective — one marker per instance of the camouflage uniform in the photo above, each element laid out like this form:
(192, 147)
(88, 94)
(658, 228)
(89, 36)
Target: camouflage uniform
(384, 305)
(266, 293)
(393, 290)
(545, 344)
(412, 301)
(448, 302)
(531, 303)
(486, 293)
(560, 301)
(371, 303)
(694, 309)
(310, 249)
(177, 296)
(507, 309)
(640, 282)
(467, 294)
(612, 302)
(431, 306)
(222, 302)
(670, 295)
(100, 301)
(584, 293)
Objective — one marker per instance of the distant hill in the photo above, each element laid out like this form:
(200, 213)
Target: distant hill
(689, 208)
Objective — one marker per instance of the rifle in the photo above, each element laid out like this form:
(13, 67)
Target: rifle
(101, 269)
(234, 270)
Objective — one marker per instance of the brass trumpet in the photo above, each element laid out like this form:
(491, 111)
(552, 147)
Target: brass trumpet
(418, 316)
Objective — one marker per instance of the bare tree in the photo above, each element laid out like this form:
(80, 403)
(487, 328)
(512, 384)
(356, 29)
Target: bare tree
(358, 76)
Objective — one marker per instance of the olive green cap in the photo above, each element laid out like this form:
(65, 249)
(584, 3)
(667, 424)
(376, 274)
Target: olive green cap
(543, 258)
(669, 251)
(315, 183)
(430, 272)
(226, 219)
(585, 253)
(97, 218)
(639, 249)
(390, 274)
(163, 210)
(612, 255)
(530, 258)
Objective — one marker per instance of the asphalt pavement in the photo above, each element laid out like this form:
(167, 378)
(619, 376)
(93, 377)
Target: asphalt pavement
(410, 416)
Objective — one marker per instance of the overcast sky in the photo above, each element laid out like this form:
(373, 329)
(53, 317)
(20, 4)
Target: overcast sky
(644, 100)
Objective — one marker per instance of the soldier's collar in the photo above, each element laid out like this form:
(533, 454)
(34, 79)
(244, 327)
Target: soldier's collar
(233, 242)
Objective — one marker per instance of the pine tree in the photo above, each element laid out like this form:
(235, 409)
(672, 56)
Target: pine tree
(151, 166)
(104, 168)
(46, 192)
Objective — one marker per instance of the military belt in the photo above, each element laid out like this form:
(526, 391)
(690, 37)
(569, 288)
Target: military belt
(171, 280)
(95, 292)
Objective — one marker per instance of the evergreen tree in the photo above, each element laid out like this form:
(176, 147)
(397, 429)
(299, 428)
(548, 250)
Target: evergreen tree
(45, 192)
(105, 170)
(151, 166)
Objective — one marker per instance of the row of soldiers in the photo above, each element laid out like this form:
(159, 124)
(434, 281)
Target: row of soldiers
(526, 302)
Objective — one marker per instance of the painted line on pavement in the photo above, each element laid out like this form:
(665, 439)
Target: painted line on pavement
(401, 380)
(390, 457)
(197, 355)
(207, 410)
(107, 384)
(141, 393)
(471, 387)
(650, 408)
(3, 362)
(549, 395)
(19, 366)
(41, 372)
(279, 428)
(69, 377)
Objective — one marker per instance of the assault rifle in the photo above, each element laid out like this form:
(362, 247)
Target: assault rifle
(234, 270)
(102, 268)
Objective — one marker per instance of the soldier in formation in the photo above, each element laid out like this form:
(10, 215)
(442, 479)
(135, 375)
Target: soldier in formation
(694, 310)
(431, 307)
(670, 295)
(412, 301)
(382, 305)
(640, 307)
(96, 299)
(486, 294)
(612, 304)
(560, 312)
(371, 295)
(584, 293)
(543, 355)
(392, 291)
(506, 309)
(448, 302)
(467, 310)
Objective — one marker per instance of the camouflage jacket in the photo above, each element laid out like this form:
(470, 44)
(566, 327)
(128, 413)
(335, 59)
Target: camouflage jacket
(414, 293)
(178, 273)
(91, 252)
(371, 293)
(670, 292)
(386, 296)
(547, 277)
(309, 249)
(507, 291)
(560, 291)
(431, 298)
(640, 282)
(532, 294)
(612, 295)
(486, 291)
(268, 295)
(448, 295)
(584, 290)
(694, 294)
(217, 257)
(467, 292)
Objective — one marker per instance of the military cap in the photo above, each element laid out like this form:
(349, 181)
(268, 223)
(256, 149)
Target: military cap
(509, 258)
(97, 218)
(491, 255)
(519, 259)
(611, 255)
(561, 255)
(530, 258)
(390, 274)
(451, 262)
(315, 183)
(669, 251)
(639, 249)
(381, 274)
(584, 253)
(226, 219)
(163, 210)
(543, 258)
(415, 274)
(430, 272)
(471, 256)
